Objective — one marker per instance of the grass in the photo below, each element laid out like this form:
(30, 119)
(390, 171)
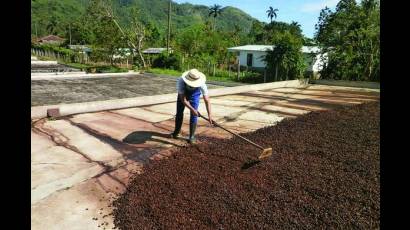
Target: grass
(41, 58)
(97, 68)
(77, 65)
(110, 69)
(170, 72)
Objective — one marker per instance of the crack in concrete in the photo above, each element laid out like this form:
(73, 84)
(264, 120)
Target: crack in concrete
(53, 136)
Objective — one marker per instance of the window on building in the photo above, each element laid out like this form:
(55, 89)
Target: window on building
(249, 59)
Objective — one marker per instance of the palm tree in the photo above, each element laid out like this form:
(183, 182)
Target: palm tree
(52, 25)
(215, 10)
(272, 13)
(295, 24)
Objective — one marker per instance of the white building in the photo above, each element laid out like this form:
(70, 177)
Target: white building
(80, 48)
(253, 55)
(155, 50)
(123, 53)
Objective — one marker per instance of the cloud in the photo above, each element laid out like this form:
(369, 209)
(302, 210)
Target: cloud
(313, 7)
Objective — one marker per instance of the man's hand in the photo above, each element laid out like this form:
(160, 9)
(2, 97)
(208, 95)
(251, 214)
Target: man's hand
(211, 122)
(196, 113)
(208, 109)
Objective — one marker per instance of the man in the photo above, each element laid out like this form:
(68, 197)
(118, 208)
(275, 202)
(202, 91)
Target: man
(190, 86)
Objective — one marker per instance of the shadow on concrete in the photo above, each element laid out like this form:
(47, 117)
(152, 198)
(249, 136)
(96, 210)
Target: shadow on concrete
(234, 116)
(356, 91)
(136, 153)
(270, 97)
(141, 137)
(305, 102)
(342, 94)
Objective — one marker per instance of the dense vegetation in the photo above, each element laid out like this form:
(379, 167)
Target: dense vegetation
(200, 36)
(55, 16)
(351, 38)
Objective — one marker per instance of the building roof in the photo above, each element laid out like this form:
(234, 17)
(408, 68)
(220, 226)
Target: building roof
(80, 47)
(51, 38)
(154, 50)
(263, 48)
(310, 49)
(77, 46)
(251, 48)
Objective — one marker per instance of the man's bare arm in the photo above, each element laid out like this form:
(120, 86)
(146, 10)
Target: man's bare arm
(208, 108)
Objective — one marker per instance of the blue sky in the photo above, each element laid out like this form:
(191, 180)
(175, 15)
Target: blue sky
(305, 12)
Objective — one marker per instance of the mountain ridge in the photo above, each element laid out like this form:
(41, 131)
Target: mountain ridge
(64, 12)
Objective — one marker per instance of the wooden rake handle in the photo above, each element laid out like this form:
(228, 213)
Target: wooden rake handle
(243, 138)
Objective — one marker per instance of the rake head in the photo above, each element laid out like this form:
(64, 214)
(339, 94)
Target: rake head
(265, 153)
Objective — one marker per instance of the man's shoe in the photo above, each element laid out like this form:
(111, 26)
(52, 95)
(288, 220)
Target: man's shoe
(192, 140)
(192, 128)
(175, 136)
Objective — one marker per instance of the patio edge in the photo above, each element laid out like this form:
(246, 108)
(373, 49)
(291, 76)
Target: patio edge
(38, 112)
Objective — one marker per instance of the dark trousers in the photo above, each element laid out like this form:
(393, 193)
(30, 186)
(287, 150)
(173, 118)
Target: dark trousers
(193, 99)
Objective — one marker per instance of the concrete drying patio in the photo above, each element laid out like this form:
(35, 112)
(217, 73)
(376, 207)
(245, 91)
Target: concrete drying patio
(79, 162)
(60, 89)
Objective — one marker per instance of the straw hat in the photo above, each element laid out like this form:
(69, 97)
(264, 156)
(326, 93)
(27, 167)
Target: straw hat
(194, 78)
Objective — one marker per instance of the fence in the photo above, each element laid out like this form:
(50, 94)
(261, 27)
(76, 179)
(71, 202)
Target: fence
(76, 57)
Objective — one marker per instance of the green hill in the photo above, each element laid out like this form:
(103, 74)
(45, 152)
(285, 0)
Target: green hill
(57, 14)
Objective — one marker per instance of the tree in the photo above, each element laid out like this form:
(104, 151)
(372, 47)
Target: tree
(272, 13)
(190, 40)
(286, 58)
(215, 11)
(235, 35)
(152, 34)
(295, 28)
(151, 11)
(52, 25)
(275, 30)
(295, 24)
(350, 37)
(346, 5)
(257, 32)
(104, 36)
(134, 36)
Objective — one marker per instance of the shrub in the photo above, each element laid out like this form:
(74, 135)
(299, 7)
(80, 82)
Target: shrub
(251, 77)
(104, 69)
(172, 61)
